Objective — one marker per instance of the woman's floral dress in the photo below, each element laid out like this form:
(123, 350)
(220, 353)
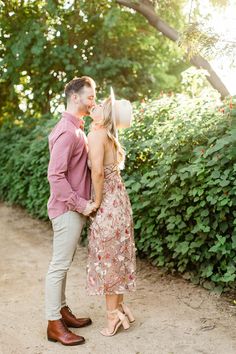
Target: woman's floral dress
(111, 250)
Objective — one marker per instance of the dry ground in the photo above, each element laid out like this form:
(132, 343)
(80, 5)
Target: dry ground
(172, 315)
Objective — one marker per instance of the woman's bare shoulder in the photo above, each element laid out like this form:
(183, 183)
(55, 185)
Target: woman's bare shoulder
(100, 134)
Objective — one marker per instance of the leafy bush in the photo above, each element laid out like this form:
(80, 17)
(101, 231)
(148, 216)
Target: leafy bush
(24, 158)
(181, 177)
(180, 174)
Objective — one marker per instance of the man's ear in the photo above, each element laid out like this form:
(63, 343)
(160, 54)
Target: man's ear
(75, 97)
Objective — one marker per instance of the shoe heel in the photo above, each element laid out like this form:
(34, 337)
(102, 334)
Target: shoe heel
(128, 313)
(52, 340)
(130, 317)
(125, 323)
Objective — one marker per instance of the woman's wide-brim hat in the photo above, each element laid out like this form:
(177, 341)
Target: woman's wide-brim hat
(122, 112)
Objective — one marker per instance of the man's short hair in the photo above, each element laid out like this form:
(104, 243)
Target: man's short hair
(77, 84)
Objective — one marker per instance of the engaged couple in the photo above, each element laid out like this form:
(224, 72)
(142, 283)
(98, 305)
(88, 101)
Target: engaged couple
(85, 184)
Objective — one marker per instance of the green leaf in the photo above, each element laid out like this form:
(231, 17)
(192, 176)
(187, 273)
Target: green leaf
(173, 178)
(136, 186)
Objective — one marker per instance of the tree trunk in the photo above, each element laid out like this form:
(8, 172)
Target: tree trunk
(146, 8)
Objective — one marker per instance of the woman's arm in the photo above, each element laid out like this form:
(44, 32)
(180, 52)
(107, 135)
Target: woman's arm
(96, 143)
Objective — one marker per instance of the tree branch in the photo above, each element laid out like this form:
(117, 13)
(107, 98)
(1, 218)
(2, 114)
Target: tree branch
(146, 8)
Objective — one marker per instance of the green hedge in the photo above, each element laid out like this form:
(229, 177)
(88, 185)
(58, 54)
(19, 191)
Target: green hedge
(181, 177)
(180, 174)
(24, 158)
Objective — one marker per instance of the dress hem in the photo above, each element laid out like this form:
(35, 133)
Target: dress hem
(111, 293)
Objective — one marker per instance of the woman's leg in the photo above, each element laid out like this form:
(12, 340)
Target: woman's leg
(120, 298)
(114, 317)
(112, 302)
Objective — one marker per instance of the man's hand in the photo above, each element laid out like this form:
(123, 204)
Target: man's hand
(90, 208)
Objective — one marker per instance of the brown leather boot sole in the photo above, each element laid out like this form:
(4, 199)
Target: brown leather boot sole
(70, 344)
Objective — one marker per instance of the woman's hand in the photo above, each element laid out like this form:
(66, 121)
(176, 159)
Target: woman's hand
(96, 205)
(90, 208)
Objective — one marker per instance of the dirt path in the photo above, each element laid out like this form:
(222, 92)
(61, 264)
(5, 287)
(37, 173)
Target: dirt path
(172, 316)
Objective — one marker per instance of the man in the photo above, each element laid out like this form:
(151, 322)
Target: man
(68, 205)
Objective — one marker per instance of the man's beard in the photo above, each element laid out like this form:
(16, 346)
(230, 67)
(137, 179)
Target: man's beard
(85, 111)
(88, 110)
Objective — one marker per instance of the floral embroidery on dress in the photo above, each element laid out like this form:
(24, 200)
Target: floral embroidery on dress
(111, 251)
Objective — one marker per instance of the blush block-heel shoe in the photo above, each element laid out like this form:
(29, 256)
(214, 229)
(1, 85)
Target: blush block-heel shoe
(115, 319)
(127, 312)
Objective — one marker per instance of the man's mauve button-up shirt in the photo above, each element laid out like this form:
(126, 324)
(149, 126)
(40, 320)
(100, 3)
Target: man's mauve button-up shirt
(68, 173)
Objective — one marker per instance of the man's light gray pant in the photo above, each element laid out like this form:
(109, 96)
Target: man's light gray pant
(67, 229)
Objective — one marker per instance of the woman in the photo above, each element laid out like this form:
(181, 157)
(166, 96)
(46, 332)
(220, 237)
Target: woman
(111, 258)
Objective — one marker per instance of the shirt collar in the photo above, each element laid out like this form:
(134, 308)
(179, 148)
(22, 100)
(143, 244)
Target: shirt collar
(78, 122)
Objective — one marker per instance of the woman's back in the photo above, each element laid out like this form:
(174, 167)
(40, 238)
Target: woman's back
(110, 152)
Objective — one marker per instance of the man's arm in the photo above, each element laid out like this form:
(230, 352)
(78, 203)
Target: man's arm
(60, 156)
(96, 154)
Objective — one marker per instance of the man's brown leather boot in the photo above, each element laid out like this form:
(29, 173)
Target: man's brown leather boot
(58, 332)
(71, 321)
